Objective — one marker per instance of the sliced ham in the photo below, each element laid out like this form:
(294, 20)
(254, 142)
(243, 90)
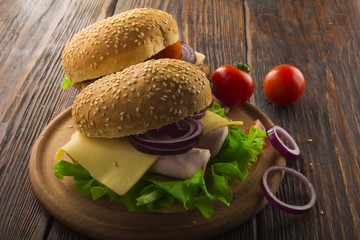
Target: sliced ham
(213, 140)
(185, 165)
(182, 166)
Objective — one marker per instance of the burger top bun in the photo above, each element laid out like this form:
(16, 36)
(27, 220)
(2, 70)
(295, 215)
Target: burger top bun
(117, 42)
(142, 97)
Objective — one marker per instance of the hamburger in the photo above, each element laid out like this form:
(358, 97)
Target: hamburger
(147, 138)
(125, 39)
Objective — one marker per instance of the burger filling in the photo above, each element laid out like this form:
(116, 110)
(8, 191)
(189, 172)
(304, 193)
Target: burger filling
(146, 182)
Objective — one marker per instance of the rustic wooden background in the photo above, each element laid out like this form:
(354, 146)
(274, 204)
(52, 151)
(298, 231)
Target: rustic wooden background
(320, 37)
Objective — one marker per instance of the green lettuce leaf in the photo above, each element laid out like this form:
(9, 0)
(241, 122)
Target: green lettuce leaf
(216, 108)
(66, 83)
(64, 168)
(155, 191)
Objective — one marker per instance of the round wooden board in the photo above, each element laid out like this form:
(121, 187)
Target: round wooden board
(103, 219)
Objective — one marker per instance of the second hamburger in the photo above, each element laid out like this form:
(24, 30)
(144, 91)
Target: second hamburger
(122, 40)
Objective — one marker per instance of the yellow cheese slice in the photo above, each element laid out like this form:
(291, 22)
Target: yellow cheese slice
(212, 121)
(113, 162)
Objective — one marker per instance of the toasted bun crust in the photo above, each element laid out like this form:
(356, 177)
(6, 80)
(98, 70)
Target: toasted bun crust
(142, 97)
(117, 42)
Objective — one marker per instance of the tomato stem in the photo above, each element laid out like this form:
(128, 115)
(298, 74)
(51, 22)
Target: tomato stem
(242, 66)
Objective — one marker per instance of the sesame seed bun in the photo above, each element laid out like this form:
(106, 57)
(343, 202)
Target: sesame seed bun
(117, 42)
(142, 97)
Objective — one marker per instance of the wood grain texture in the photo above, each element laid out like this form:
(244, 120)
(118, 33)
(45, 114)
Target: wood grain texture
(320, 37)
(32, 38)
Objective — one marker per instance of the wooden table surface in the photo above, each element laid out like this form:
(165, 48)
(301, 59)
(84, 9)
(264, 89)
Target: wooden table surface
(321, 38)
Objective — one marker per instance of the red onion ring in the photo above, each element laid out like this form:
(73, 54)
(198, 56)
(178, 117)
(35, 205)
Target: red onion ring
(159, 151)
(200, 114)
(187, 53)
(156, 146)
(291, 153)
(293, 209)
(178, 129)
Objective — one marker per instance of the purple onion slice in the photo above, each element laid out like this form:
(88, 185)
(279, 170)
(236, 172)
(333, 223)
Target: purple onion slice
(178, 129)
(293, 209)
(292, 152)
(200, 114)
(155, 144)
(187, 53)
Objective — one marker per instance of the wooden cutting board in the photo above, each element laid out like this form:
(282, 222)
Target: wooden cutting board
(103, 219)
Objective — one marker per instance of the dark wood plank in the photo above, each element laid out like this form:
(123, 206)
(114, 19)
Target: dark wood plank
(61, 231)
(31, 74)
(322, 39)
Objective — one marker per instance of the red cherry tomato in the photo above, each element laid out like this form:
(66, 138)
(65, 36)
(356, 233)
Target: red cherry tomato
(233, 86)
(284, 84)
